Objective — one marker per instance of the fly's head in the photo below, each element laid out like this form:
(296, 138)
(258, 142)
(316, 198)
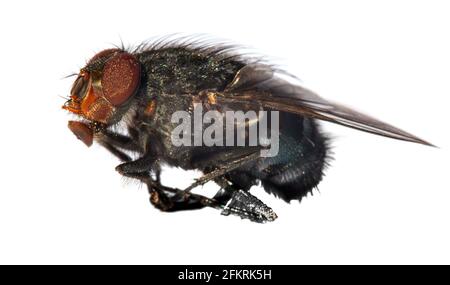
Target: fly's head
(102, 91)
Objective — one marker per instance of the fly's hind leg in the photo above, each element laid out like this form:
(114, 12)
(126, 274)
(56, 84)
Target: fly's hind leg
(227, 176)
(232, 182)
(238, 201)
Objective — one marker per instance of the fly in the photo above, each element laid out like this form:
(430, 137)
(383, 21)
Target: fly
(155, 91)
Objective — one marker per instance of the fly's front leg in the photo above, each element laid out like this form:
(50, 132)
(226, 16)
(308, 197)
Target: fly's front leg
(116, 152)
(116, 144)
(169, 199)
(163, 198)
(141, 169)
(158, 197)
(142, 165)
(118, 140)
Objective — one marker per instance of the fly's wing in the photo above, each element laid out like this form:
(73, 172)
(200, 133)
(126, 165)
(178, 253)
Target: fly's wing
(257, 85)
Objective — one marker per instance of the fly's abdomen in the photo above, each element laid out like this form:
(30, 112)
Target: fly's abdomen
(299, 165)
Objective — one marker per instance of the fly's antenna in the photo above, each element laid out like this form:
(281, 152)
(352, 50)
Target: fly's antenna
(64, 97)
(70, 75)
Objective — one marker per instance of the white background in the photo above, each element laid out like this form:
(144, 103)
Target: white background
(382, 201)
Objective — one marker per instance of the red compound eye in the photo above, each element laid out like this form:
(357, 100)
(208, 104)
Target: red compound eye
(104, 54)
(121, 78)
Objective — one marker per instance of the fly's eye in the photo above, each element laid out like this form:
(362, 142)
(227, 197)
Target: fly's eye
(80, 86)
(121, 77)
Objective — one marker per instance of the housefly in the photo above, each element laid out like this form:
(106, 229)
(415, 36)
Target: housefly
(166, 102)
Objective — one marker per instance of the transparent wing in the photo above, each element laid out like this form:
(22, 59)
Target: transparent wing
(258, 85)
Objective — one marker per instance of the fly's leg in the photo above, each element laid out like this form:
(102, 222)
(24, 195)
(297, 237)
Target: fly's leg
(168, 199)
(226, 190)
(144, 164)
(138, 169)
(117, 153)
(230, 199)
(189, 202)
(217, 175)
(232, 182)
(238, 201)
(162, 197)
(224, 169)
(118, 140)
(141, 169)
